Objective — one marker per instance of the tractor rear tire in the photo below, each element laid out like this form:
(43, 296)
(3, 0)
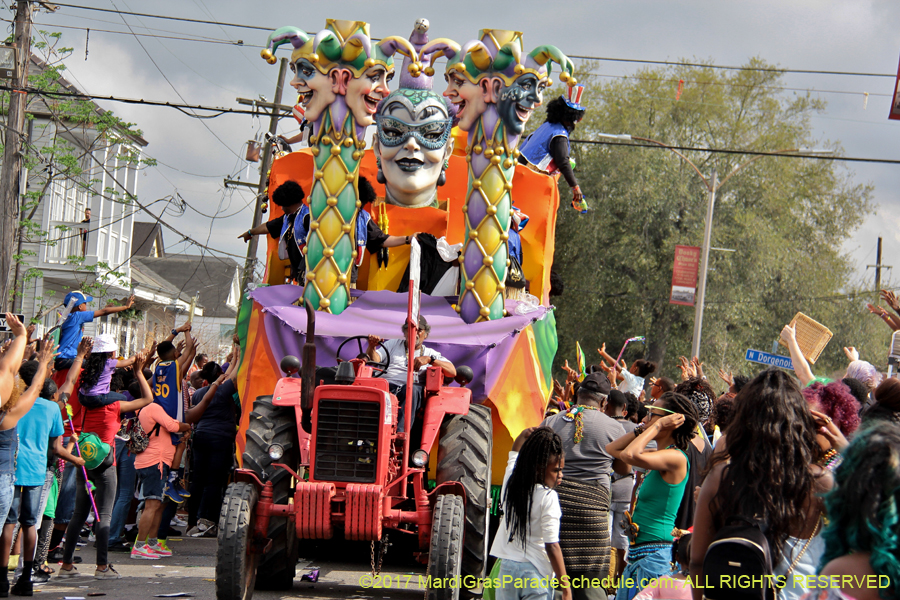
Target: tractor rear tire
(235, 564)
(464, 455)
(270, 424)
(445, 553)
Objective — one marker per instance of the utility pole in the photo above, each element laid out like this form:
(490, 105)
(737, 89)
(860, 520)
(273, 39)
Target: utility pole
(11, 170)
(704, 264)
(263, 176)
(878, 266)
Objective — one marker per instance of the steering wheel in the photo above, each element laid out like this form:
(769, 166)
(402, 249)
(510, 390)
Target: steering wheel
(380, 366)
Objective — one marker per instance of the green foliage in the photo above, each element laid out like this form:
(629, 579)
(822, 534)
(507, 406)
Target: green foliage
(786, 218)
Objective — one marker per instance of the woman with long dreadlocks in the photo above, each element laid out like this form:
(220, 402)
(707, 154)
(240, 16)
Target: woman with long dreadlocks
(672, 423)
(527, 541)
(772, 474)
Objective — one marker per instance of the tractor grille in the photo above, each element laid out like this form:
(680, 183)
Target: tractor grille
(347, 441)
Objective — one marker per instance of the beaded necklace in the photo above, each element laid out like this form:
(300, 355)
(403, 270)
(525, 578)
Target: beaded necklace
(576, 414)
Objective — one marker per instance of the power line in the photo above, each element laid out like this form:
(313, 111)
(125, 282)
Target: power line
(150, 35)
(183, 19)
(729, 68)
(573, 56)
(218, 109)
(746, 152)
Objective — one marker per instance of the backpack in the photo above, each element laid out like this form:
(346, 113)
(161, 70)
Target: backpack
(137, 438)
(739, 550)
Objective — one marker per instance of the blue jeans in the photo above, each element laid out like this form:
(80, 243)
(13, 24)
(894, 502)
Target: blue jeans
(525, 591)
(125, 492)
(65, 504)
(7, 487)
(643, 571)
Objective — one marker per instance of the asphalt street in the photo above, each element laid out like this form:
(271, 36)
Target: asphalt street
(344, 570)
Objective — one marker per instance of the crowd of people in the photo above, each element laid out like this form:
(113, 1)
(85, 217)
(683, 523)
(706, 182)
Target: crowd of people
(96, 446)
(783, 486)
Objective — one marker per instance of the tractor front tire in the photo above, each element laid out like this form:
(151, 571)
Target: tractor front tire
(270, 424)
(235, 563)
(445, 553)
(464, 455)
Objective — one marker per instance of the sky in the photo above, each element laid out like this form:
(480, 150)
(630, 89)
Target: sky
(195, 156)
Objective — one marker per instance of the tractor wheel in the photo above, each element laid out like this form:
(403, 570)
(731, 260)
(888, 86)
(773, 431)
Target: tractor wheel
(235, 563)
(269, 425)
(445, 554)
(464, 455)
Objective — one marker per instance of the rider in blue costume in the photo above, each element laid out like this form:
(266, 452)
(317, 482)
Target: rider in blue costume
(547, 149)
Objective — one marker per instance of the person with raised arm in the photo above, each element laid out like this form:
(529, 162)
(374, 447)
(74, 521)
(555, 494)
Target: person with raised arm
(103, 422)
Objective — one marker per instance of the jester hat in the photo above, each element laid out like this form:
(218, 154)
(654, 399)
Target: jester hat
(344, 44)
(498, 53)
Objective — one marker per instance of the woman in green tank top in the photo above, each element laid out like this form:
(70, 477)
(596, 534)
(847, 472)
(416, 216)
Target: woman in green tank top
(672, 423)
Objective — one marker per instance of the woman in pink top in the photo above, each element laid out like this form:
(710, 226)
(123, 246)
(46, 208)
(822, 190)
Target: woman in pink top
(152, 466)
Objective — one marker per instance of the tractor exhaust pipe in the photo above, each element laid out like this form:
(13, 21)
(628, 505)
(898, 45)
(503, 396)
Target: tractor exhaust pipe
(308, 368)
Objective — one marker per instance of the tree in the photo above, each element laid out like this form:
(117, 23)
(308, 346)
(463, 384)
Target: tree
(68, 134)
(786, 218)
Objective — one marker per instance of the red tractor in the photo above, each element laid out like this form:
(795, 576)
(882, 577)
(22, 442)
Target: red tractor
(363, 476)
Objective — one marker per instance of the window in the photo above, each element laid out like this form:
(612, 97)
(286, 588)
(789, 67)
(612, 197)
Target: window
(226, 331)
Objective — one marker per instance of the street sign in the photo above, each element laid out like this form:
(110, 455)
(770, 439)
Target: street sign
(3, 326)
(773, 360)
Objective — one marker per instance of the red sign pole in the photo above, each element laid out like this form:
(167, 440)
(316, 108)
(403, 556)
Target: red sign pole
(895, 100)
(684, 275)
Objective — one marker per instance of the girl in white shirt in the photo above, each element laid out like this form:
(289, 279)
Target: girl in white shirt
(527, 540)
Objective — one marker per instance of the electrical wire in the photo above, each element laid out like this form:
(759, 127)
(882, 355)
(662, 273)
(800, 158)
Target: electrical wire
(183, 19)
(572, 56)
(746, 152)
(285, 111)
(150, 35)
(171, 85)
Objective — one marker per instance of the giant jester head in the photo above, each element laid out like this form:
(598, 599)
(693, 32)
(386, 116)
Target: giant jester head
(493, 70)
(413, 141)
(413, 145)
(341, 60)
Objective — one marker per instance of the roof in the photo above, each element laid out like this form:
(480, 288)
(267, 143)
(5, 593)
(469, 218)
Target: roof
(214, 277)
(142, 237)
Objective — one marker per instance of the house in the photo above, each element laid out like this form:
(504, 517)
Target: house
(88, 218)
(215, 281)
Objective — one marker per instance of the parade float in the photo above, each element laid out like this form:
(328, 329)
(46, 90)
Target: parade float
(492, 87)
(324, 458)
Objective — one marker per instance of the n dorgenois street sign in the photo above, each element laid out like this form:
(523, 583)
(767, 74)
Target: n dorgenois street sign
(3, 326)
(773, 360)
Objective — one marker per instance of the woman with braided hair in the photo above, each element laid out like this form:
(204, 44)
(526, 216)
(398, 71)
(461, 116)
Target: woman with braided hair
(672, 423)
(527, 541)
(862, 538)
(698, 391)
(770, 473)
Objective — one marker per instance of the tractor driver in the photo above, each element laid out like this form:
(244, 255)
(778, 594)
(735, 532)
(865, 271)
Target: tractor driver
(396, 372)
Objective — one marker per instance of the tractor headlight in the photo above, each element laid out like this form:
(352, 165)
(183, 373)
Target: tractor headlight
(420, 458)
(276, 451)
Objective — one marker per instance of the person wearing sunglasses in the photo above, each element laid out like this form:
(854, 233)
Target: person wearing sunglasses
(671, 423)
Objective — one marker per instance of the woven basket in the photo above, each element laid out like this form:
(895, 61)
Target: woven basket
(812, 337)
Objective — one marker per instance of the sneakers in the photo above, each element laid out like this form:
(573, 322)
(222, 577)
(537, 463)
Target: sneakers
(173, 494)
(56, 556)
(177, 522)
(144, 553)
(108, 573)
(39, 576)
(68, 574)
(203, 528)
(23, 587)
(161, 548)
(180, 489)
(119, 546)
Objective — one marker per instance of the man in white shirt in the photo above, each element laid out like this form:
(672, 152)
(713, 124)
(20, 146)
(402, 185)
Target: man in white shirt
(396, 371)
